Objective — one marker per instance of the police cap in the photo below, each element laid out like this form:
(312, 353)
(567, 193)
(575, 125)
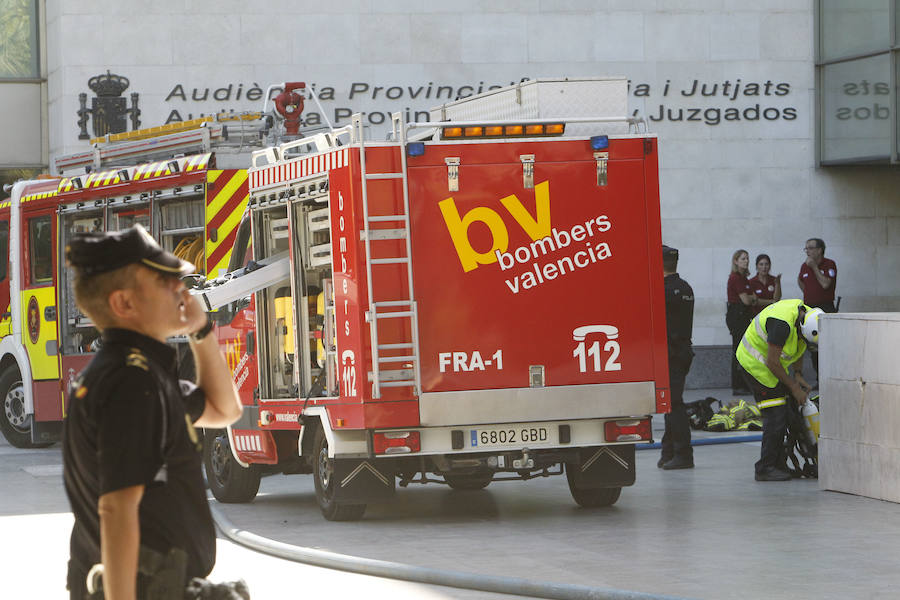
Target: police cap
(669, 252)
(93, 253)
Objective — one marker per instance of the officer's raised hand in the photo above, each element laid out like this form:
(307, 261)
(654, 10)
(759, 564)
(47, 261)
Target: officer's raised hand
(191, 312)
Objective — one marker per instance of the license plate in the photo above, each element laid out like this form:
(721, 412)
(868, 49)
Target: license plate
(521, 435)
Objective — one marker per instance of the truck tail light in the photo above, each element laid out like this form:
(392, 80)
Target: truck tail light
(396, 442)
(632, 430)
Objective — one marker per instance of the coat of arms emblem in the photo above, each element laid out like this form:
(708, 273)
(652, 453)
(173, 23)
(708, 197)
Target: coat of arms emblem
(109, 109)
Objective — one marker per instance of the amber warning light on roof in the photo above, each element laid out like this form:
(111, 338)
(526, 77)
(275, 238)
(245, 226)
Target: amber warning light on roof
(499, 131)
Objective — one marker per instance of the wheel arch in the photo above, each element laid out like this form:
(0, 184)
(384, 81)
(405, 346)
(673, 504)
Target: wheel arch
(233, 449)
(318, 419)
(347, 443)
(13, 354)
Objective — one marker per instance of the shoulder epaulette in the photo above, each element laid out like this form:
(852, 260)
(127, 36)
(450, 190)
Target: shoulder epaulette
(137, 359)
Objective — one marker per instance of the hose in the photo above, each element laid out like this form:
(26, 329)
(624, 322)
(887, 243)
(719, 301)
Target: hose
(190, 249)
(735, 439)
(391, 570)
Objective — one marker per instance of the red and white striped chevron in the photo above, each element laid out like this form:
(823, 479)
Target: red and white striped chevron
(298, 168)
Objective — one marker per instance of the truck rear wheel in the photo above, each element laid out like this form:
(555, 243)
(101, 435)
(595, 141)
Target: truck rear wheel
(323, 473)
(592, 497)
(469, 481)
(14, 422)
(229, 481)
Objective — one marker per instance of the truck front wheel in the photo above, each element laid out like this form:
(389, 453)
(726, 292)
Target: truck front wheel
(229, 481)
(323, 473)
(14, 422)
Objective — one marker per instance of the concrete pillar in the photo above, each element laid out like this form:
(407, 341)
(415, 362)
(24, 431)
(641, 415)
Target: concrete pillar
(859, 371)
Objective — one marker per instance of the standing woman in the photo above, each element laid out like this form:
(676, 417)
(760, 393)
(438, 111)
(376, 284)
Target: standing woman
(766, 288)
(737, 314)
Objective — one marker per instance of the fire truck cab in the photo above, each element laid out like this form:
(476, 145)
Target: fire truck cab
(29, 387)
(478, 298)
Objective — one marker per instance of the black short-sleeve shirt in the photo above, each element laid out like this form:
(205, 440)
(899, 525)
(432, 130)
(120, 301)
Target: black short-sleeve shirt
(777, 331)
(129, 423)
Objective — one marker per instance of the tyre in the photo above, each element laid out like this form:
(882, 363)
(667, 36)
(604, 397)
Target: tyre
(592, 497)
(469, 481)
(229, 481)
(323, 473)
(14, 423)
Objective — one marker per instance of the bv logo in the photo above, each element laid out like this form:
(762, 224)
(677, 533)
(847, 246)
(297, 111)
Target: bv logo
(536, 227)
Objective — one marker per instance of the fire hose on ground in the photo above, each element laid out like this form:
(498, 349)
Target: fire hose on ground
(391, 570)
(731, 439)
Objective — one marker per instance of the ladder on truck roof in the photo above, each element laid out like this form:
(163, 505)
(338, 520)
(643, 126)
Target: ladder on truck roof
(399, 308)
(202, 135)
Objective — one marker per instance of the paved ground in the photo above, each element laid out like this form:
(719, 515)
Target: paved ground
(710, 532)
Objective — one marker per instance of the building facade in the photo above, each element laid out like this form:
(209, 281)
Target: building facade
(777, 119)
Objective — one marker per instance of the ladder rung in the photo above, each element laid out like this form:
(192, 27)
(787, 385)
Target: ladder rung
(389, 261)
(392, 303)
(381, 218)
(397, 383)
(385, 234)
(392, 375)
(394, 315)
(384, 175)
(395, 358)
(394, 346)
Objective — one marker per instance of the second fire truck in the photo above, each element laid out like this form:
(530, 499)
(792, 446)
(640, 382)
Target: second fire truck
(186, 182)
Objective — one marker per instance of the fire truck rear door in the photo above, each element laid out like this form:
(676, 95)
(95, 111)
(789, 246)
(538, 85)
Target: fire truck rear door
(568, 300)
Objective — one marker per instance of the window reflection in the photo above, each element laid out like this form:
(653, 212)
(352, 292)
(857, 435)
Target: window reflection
(856, 109)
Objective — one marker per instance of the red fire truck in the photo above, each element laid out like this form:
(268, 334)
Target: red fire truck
(474, 300)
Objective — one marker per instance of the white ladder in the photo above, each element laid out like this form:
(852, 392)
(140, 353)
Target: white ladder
(400, 308)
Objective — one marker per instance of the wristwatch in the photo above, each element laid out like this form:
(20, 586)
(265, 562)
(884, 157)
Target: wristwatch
(203, 331)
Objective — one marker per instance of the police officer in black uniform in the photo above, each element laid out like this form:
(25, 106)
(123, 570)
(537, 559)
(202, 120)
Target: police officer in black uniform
(131, 453)
(676, 442)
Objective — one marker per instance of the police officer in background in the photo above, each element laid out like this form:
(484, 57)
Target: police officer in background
(131, 454)
(676, 442)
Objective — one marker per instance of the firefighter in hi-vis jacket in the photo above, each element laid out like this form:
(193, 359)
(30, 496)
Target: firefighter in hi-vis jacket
(772, 346)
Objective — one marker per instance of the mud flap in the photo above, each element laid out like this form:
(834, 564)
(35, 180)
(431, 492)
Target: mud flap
(604, 466)
(46, 432)
(362, 481)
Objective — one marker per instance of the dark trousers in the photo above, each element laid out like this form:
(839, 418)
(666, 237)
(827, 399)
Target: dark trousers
(676, 440)
(772, 454)
(737, 317)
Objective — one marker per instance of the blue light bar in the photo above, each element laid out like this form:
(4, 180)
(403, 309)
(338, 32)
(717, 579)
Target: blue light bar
(600, 142)
(415, 148)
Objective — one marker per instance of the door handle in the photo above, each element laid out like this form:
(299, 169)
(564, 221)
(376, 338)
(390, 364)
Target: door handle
(50, 313)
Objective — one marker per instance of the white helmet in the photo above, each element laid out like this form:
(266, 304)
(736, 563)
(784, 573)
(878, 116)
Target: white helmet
(809, 329)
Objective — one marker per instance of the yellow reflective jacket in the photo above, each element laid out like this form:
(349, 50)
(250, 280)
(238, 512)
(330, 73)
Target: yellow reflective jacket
(752, 350)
